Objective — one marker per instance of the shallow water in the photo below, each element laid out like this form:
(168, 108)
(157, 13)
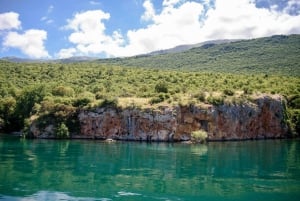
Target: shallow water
(94, 170)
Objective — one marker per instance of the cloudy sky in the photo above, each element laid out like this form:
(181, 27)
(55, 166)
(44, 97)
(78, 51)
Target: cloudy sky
(113, 28)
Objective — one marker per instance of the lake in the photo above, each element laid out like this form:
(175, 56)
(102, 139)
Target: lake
(130, 171)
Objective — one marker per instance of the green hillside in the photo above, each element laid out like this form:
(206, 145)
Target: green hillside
(54, 92)
(271, 55)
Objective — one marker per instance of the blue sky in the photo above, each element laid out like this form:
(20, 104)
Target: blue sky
(113, 28)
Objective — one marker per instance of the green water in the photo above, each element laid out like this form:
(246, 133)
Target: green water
(94, 170)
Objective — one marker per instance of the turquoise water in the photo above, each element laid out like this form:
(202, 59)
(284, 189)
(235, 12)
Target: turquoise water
(129, 171)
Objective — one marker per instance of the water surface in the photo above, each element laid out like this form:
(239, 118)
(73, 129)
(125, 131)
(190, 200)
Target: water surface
(94, 170)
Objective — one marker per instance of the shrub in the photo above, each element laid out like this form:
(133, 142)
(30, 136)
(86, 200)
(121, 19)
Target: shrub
(161, 87)
(248, 90)
(159, 98)
(63, 91)
(199, 136)
(62, 131)
(109, 102)
(201, 96)
(294, 101)
(215, 100)
(81, 102)
(99, 95)
(156, 99)
(294, 121)
(228, 92)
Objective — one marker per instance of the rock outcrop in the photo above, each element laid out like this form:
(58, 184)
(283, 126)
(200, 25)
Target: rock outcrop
(263, 118)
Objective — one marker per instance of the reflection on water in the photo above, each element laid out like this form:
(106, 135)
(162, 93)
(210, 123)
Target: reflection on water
(93, 170)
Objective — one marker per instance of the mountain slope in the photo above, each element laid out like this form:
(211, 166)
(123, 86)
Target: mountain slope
(182, 48)
(271, 55)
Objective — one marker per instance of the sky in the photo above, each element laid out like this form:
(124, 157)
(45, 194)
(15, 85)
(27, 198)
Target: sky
(52, 29)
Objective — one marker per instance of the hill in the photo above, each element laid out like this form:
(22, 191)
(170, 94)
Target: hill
(275, 55)
(182, 48)
(270, 55)
(213, 74)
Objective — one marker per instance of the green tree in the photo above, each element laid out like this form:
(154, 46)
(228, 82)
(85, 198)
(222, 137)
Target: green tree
(25, 103)
(7, 108)
(161, 87)
(199, 136)
(63, 91)
(62, 131)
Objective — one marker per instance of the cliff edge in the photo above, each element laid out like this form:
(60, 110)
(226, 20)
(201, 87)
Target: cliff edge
(262, 118)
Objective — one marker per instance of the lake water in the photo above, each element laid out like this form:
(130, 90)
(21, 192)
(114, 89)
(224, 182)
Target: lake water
(129, 171)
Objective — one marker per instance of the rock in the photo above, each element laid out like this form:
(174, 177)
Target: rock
(46, 132)
(262, 118)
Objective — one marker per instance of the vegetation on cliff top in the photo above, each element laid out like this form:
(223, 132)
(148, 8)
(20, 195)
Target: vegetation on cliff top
(54, 92)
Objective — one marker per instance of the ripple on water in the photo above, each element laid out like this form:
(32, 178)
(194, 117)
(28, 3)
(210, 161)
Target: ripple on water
(49, 196)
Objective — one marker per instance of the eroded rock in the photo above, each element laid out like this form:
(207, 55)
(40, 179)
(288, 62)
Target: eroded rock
(262, 118)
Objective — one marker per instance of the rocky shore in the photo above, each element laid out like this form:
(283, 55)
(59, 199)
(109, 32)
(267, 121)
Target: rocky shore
(262, 118)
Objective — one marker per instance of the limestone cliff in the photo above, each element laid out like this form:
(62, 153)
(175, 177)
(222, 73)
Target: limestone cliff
(263, 118)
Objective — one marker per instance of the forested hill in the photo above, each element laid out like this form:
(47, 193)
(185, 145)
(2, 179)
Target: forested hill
(271, 55)
(231, 73)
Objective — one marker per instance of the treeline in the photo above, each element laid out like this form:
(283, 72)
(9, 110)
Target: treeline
(271, 55)
(55, 92)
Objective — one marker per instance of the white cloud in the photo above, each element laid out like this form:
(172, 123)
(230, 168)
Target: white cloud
(170, 3)
(149, 11)
(241, 19)
(30, 43)
(66, 53)
(178, 22)
(88, 27)
(94, 2)
(89, 35)
(50, 9)
(46, 17)
(293, 6)
(9, 21)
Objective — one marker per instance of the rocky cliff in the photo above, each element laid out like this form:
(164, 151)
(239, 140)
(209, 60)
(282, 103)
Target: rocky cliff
(263, 118)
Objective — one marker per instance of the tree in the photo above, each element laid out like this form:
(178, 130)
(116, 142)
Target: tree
(199, 136)
(62, 131)
(63, 91)
(25, 103)
(161, 87)
(7, 108)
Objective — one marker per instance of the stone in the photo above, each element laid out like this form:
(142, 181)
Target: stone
(262, 118)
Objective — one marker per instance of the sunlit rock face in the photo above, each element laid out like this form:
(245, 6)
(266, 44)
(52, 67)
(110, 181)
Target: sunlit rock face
(263, 118)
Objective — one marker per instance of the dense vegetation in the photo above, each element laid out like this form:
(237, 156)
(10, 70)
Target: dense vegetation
(55, 92)
(271, 55)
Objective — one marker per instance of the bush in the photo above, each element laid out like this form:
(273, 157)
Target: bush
(63, 91)
(81, 102)
(161, 87)
(228, 92)
(294, 121)
(294, 102)
(248, 90)
(62, 131)
(109, 102)
(99, 95)
(156, 99)
(159, 98)
(215, 100)
(201, 96)
(199, 136)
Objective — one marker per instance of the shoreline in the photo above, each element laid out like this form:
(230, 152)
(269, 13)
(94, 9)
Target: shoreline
(80, 137)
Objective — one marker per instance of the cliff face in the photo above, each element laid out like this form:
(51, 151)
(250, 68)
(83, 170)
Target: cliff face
(263, 118)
